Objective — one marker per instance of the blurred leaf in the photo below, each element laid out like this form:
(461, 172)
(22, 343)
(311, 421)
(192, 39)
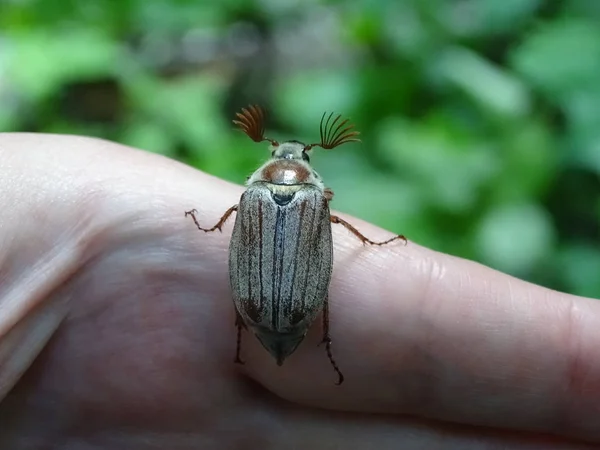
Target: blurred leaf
(530, 162)
(487, 17)
(582, 8)
(168, 16)
(493, 89)
(364, 26)
(426, 152)
(302, 99)
(513, 238)
(406, 31)
(582, 110)
(187, 105)
(41, 62)
(579, 264)
(561, 56)
(362, 191)
(149, 136)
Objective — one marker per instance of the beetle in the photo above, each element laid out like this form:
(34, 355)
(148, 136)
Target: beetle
(281, 250)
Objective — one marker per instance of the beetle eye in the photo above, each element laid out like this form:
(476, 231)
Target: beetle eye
(305, 156)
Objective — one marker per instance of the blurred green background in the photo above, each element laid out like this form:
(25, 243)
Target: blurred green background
(480, 120)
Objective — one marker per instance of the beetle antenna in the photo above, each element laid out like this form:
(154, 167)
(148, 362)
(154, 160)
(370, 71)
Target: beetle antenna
(333, 135)
(252, 122)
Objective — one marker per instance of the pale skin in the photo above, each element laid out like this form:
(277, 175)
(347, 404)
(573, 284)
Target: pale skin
(116, 310)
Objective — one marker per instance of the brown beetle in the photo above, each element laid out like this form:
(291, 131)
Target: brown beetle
(281, 251)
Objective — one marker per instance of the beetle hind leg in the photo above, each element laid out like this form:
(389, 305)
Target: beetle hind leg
(239, 323)
(362, 237)
(238, 348)
(219, 224)
(327, 341)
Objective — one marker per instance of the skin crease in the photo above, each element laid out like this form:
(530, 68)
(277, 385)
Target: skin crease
(117, 310)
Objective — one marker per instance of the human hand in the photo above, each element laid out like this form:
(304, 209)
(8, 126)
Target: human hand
(123, 308)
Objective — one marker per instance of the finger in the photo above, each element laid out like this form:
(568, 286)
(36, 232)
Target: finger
(323, 429)
(424, 333)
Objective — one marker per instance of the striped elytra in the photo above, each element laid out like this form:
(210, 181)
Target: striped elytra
(281, 249)
(280, 261)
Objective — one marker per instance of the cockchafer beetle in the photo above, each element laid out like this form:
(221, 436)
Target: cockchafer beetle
(281, 251)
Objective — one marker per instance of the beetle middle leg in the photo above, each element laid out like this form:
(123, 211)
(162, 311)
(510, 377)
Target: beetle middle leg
(219, 224)
(327, 341)
(362, 237)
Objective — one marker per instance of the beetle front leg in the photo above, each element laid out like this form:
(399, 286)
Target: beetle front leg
(219, 224)
(327, 341)
(362, 237)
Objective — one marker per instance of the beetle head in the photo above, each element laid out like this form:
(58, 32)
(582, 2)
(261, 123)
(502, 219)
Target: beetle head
(290, 150)
(333, 131)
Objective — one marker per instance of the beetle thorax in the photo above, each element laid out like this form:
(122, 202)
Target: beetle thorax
(288, 166)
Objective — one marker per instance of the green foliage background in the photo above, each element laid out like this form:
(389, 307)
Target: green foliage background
(480, 119)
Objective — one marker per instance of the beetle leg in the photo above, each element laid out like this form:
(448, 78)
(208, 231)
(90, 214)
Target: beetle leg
(362, 237)
(219, 223)
(328, 193)
(239, 323)
(327, 341)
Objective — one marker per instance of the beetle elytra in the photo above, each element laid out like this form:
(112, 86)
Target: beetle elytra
(281, 250)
